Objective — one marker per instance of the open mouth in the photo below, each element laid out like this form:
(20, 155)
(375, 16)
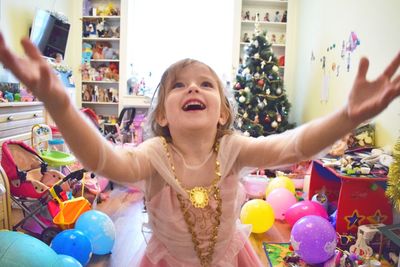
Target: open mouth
(193, 105)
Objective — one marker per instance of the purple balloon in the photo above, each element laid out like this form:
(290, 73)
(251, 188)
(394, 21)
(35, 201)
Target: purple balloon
(313, 238)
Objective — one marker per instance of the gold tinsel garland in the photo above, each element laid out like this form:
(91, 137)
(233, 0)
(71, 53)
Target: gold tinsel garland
(393, 182)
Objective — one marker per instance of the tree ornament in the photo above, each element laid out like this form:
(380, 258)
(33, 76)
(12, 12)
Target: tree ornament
(242, 99)
(247, 89)
(260, 105)
(274, 124)
(257, 76)
(263, 64)
(393, 181)
(278, 117)
(257, 56)
(268, 91)
(267, 119)
(260, 82)
(245, 115)
(278, 91)
(238, 86)
(275, 68)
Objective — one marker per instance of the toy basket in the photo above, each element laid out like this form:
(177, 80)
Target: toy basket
(71, 209)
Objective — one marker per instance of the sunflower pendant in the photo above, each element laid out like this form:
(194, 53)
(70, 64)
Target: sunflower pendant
(199, 197)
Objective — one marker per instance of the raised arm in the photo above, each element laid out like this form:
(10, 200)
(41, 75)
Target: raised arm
(94, 152)
(366, 100)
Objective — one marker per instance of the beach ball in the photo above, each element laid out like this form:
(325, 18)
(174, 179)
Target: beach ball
(73, 243)
(18, 249)
(68, 261)
(259, 214)
(281, 200)
(100, 230)
(280, 182)
(304, 208)
(313, 238)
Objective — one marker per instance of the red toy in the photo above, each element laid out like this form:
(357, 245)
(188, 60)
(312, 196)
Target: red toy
(360, 200)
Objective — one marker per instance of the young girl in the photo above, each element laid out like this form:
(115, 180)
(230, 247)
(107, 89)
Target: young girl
(193, 164)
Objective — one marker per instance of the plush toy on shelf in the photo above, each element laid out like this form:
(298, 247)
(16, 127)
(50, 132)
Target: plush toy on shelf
(87, 52)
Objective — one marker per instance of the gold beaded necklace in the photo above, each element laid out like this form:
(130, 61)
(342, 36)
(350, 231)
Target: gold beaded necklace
(199, 198)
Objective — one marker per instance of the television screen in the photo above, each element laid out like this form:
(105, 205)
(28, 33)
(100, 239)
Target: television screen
(49, 33)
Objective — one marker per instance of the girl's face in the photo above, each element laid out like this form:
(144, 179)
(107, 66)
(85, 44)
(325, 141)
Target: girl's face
(193, 100)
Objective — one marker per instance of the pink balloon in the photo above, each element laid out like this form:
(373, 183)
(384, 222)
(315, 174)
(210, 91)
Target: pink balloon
(304, 208)
(281, 199)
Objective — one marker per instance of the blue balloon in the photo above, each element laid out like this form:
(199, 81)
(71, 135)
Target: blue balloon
(100, 230)
(18, 249)
(73, 243)
(68, 261)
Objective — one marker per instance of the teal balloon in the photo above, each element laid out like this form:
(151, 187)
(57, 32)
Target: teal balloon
(18, 249)
(99, 228)
(68, 261)
(73, 243)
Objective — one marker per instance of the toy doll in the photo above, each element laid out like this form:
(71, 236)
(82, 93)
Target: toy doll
(284, 17)
(277, 17)
(266, 17)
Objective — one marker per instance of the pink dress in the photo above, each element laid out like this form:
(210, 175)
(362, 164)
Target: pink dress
(171, 243)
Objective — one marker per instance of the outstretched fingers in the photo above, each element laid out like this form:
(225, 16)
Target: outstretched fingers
(31, 50)
(363, 68)
(392, 68)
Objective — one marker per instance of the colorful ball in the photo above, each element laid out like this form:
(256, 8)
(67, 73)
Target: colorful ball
(73, 243)
(18, 249)
(100, 230)
(68, 261)
(259, 214)
(314, 239)
(280, 182)
(281, 200)
(304, 208)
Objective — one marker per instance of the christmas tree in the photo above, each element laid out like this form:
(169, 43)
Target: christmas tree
(393, 182)
(263, 106)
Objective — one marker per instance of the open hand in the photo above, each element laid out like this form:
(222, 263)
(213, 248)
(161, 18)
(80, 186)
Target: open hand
(368, 98)
(32, 70)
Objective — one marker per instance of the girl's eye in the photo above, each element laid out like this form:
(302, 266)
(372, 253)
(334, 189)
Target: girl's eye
(178, 85)
(207, 84)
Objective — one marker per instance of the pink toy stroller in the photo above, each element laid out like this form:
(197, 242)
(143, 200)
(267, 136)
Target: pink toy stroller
(30, 181)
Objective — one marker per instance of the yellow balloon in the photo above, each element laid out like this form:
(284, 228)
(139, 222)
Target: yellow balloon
(280, 182)
(259, 214)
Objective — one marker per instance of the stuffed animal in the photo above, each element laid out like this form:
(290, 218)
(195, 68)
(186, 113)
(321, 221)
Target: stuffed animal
(110, 53)
(98, 49)
(90, 30)
(101, 28)
(115, 72)
(87, 94)
(87, 52)
(114, 94)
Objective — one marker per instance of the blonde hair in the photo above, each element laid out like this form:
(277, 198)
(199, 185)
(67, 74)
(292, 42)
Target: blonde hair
(159, 110)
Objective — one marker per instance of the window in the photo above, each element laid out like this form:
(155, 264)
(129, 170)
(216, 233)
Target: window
(161, 32)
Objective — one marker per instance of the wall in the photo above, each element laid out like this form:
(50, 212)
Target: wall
(16, 16)
(315, 26)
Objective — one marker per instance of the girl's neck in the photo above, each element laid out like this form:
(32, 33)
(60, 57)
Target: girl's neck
(194, 148)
